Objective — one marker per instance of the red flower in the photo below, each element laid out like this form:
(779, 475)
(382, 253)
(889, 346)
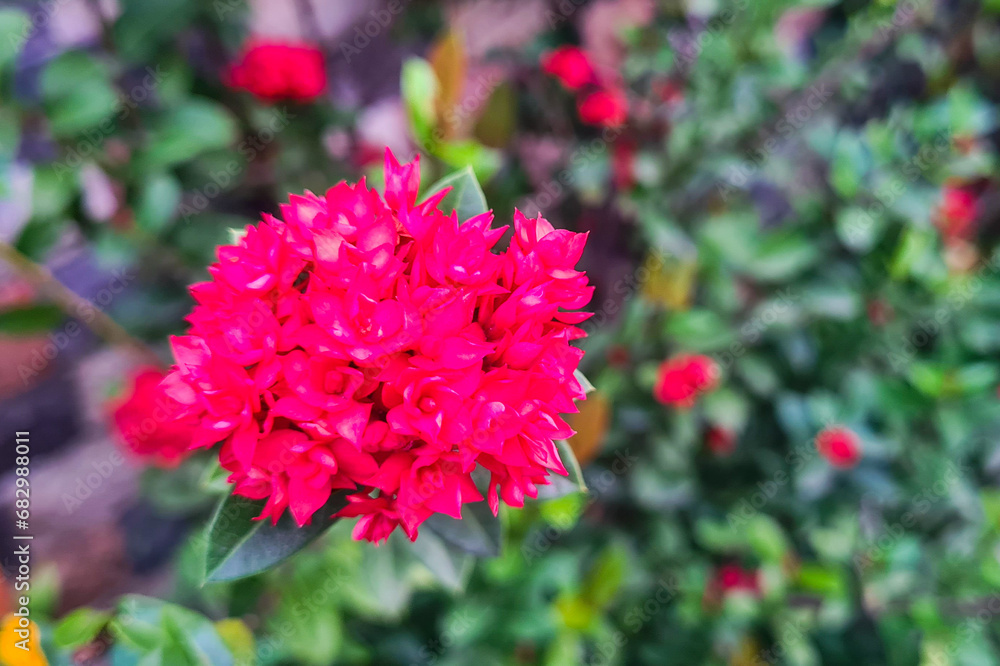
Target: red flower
(734, 578)
(571, 65)
(839, 446)
(720, 441)
(149, 423)
(957, 213)
(604, 108)
(682, 378)
(279, 70)
(371, 343)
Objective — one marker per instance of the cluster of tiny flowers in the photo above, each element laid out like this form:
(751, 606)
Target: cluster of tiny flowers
(377, 345)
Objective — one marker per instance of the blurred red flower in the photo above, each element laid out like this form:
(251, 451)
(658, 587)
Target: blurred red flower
(720, 441)
(957, 213)
(603, 108)
(840, 446)
(571, 65)
(682, 378)
(729, 579)
(279, 71)
(734, 578)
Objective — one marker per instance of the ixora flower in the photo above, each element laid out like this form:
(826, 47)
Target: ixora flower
(604, 108)
(276, 71)
(571, 65)
(721, 441)
(146, 420)
(840, 446)
(376, 345)
(683, 378)
(956, 214)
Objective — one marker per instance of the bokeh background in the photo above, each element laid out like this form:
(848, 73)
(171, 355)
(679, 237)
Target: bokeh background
(805, 192)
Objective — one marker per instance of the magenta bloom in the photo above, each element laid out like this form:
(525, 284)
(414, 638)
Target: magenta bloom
(274, 70)
(376, 344)
(683, 378)
(840, 446)
(571, 65)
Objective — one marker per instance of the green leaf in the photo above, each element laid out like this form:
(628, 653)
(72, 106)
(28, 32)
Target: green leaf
(498, 120)
(239, 546)
(781, 256)
(849, 164)
(466, 197)
(478, 532)
(584, 382)
(79, 628)
(449, 565)
(700, 330)
(485, 162)
(195, 636)
(214, 479)
(79, 96)
(137, 624)
(766, 538)
(30, 320)
(606, 577)
(158, 201)
(143, 28)
(420, 89)
(196, 127)
(571, 464)
(15, 28)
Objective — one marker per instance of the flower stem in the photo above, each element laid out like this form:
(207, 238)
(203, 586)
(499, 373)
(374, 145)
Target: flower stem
(72, 303)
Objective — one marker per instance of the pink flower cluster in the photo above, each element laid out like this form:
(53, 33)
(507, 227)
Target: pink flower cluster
(377, 345)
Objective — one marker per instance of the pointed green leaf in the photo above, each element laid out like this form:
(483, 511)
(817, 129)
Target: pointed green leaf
(466, 197)
(450, 565)
(478, 532)
(79, 628)
(239, 546)
(195, 636)
(419, 87)
(583, 381)
(571, 464)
